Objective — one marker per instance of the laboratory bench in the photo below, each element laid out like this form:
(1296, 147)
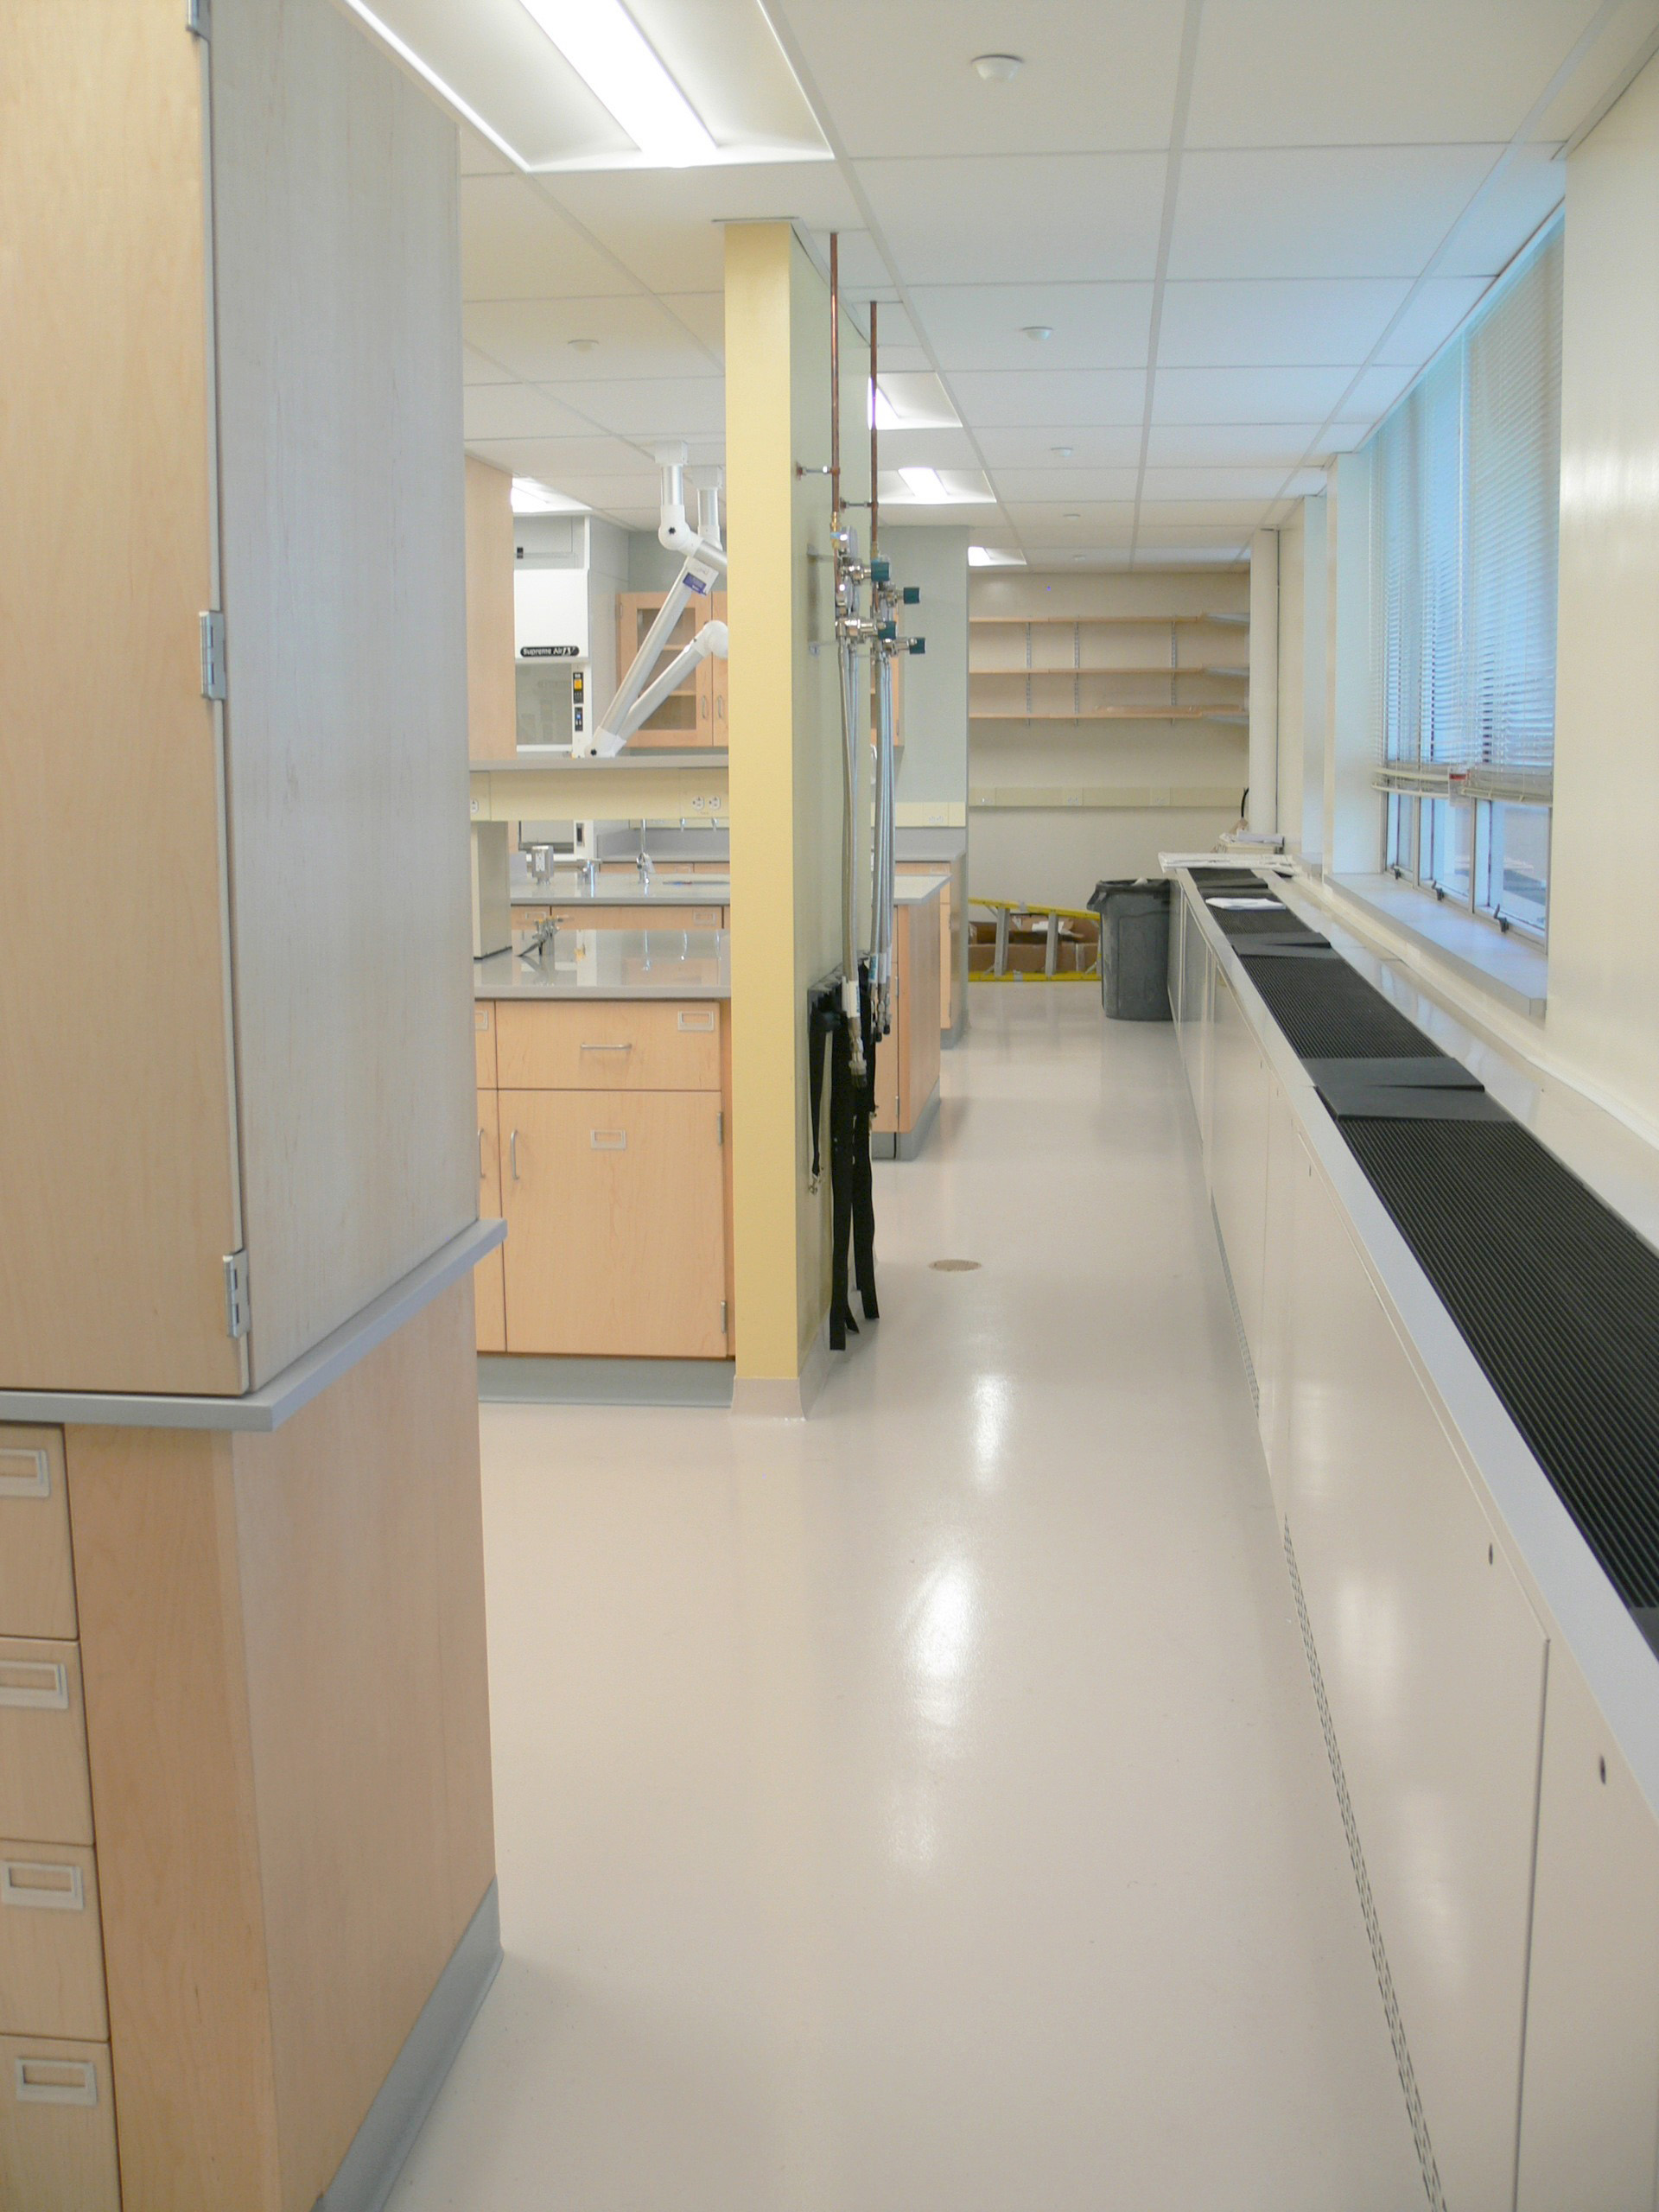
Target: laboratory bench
(603, 1066)
(619, 899)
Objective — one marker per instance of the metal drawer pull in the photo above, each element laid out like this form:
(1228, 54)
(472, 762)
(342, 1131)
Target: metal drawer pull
(46, 1692)
(43, 1888)
(607, 1048)
(512, 1154)
(702, 1023)
(56, 2082)
(24, 1472)
(608, 1140)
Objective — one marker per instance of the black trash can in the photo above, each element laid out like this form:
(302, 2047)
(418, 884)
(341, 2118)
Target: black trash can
(1134, 948)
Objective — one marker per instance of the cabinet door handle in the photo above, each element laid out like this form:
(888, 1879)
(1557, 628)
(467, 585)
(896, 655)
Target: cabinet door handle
(55, 2082)
(45, 1688)
(608, 1140)
(606, 1048)
(42, 1888)
(480, 1155)
(24, 1472)
(512, 1154)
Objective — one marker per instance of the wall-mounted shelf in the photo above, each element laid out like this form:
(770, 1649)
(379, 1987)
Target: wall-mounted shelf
(1101, 621)
(1131, 713)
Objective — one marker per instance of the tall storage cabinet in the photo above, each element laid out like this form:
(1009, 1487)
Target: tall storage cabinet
(244, 1796)
(233, 390)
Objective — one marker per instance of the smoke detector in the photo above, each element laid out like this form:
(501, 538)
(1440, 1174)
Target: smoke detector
(998, 68)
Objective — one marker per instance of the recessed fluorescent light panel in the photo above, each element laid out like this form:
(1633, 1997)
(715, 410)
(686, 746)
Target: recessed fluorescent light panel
(994, 557)
(927, 488)
(611, 55)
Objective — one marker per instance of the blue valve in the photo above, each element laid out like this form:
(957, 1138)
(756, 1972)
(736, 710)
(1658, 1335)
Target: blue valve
(918, 645)
(913, 594)
(880, 569)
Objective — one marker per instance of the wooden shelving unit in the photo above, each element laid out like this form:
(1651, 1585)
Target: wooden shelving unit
(1039, 679)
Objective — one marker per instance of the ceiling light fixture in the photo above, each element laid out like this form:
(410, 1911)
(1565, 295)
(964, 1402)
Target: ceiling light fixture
(529, 498)
(611, 55)
(1036, 332)
(998, 68)
(926, 484)
(994, 557)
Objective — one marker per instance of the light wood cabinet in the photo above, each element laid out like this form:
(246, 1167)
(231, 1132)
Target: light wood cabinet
(616, 1239)
(211, 1080)
(489, 1306)
(51, 1947)
(57, 2126)
(907, 1064)
(609, 1045)
(484, 1044)
(588, 914)
(44, 1789)
(37, 1574)
(695, 713)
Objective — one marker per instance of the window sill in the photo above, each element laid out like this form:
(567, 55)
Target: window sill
(1507, 968)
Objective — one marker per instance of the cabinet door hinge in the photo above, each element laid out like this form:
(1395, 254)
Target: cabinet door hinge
(723, 1316)
(720, 1128)
(235, 1293)
(195, 17)
(213, 654)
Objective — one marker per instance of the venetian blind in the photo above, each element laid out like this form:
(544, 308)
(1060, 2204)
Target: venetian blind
(1465, 503)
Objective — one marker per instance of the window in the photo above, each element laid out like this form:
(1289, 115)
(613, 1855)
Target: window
(1466, 491)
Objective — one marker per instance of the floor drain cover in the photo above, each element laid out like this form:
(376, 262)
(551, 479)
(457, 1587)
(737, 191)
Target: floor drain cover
(954, 1267)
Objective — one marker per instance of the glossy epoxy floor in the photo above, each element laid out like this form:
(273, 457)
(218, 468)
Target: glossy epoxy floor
(922, 1809)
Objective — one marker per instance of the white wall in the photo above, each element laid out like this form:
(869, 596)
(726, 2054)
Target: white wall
(1603, 1018)
(1291, 671)
(935, 764)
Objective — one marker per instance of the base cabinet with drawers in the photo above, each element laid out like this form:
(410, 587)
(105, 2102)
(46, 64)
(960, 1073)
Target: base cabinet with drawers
(605, 1145)
(57, 2113)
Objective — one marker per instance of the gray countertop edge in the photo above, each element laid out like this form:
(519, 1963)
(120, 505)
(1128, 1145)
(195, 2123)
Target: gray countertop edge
(268, 1408)
(1564, 1581)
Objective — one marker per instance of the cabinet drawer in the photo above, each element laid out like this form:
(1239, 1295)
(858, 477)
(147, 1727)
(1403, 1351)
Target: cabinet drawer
(44, 1790)
(613, 1044)
(57, 2126)
(37, 1576)
(484, 1042)
(51, 1949)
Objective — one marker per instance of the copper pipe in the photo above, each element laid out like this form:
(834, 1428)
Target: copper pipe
(875, 508)
(834, 381)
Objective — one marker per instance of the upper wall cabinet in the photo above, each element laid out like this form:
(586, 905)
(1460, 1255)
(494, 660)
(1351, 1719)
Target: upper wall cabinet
(233, 390)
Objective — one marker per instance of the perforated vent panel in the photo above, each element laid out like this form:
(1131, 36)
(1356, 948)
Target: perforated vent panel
(1328, 1011)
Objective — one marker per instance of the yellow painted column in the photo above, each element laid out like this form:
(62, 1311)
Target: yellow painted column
(785, 798)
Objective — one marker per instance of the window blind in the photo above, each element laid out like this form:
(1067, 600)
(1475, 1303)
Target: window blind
(1465, 523)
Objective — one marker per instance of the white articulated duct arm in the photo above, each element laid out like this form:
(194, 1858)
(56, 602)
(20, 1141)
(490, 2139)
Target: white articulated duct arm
(637, 697)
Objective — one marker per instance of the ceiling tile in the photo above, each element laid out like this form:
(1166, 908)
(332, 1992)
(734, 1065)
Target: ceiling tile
(551, 460)
(1094, 77)
(1525, 194)
(928, 449)
(1232, 445)
(1248, 394)
(1114, 448)
(1441, 304)
(1019, 219)
(704, 315)
(1321, 211)
(518, 410)
(515, 246)
(1068, 399)
(1372, 393)
(1213, 483)
(541, 339)
(1047, 518)
(650, 408)
(1299, 72)
(1274, 320)
(1202, 514)
(1069, 486)
(478, 368)
(983, 327)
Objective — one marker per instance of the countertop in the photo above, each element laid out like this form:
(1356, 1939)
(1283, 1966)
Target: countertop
(564, 887)
(610, 964)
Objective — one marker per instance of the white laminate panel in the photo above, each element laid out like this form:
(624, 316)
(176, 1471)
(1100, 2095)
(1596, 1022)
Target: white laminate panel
(1589, 2105)
(1238, 1123)
(1286, 1165)
(1433, 1663)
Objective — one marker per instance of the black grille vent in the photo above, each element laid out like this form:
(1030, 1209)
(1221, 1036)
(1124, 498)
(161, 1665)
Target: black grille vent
(1328, 1011)
(1557, 1298)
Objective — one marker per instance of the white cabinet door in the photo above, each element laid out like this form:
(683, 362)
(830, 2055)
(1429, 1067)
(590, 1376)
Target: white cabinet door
(1434, 1666)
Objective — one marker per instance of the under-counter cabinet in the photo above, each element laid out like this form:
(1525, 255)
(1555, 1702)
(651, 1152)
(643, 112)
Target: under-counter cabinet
(611, 1128)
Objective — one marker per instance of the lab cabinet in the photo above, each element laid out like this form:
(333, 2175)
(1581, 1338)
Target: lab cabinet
(615, 1224)
(489, 1291)
(57, 2125)
(277, 576)
(51, 1947)
(37, 1577)
(907, 1059)
(607, 1142)
(696, 713)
